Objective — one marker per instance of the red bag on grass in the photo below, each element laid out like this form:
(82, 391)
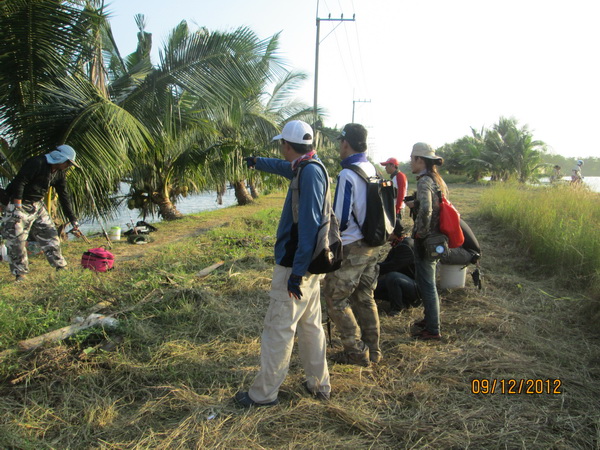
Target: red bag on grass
(450, 223)
(98, 259)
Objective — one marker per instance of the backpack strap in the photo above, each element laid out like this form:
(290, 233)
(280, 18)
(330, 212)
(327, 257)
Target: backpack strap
(357, 170)
(361, 173)
(295, 186)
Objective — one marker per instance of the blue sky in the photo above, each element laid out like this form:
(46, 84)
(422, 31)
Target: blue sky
(431, 69)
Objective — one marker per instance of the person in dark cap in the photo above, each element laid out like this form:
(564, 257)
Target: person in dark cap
(25, 213)
(349, 290)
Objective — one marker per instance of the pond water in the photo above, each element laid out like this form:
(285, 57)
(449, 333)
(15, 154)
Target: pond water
(592, 182)
(206, 201)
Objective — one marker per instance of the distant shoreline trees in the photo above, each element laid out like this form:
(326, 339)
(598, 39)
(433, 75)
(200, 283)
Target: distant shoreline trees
(505, 152)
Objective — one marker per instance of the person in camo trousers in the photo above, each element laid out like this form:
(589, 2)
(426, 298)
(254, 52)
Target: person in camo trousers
(26, 213)
(349, 290)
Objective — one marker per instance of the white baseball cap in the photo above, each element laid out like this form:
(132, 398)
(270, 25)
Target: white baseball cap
(297, 132)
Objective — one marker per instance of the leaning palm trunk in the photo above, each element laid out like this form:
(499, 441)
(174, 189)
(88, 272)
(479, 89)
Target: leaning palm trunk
(253, 189)
(242, 195)
(166, 208)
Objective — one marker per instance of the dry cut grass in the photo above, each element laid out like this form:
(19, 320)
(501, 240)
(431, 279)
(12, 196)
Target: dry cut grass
(178, 360)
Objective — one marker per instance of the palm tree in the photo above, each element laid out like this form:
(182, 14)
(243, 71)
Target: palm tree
(52, 93)
(512, 151)
(190, 103)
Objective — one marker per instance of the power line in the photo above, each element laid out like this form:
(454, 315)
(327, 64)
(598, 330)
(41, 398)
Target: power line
(319, 20)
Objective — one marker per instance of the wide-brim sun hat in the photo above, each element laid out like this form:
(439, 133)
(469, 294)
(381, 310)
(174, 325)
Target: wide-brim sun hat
(424, 150)
(297, 132)
(61, 154)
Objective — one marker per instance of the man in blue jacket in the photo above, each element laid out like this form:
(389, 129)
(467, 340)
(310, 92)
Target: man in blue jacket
(295, 293)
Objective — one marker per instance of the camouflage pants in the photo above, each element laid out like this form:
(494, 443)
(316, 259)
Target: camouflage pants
(350, 303)
(39, 225)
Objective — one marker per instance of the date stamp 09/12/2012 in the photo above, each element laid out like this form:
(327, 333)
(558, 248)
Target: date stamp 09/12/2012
(509, 386)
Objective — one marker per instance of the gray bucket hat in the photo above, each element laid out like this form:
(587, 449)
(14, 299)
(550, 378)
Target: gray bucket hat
(424, 151)
(61, 154)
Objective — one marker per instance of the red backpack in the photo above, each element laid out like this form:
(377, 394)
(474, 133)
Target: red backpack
(450, 223)
(98, 259)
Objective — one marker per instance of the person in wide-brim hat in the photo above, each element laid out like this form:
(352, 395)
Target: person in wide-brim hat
(25, 213)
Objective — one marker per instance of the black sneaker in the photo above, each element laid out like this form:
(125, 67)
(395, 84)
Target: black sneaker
(243, 399)
(419, 324)
(319, 395)
(425, 335)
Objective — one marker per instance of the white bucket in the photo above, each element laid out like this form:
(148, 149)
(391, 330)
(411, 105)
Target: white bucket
(452, 276)
(115, 234)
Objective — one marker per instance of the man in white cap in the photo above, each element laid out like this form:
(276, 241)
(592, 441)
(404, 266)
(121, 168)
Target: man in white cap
(25, 214)
(295, 292)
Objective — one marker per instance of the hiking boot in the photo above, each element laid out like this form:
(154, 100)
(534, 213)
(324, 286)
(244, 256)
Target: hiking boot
(20, 278)
(358, 359)
(243, 399)
(375, 357)
(319, 395)
(419, 324)
(425, 335)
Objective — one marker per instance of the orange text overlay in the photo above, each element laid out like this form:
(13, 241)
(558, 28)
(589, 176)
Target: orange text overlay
(528, 386)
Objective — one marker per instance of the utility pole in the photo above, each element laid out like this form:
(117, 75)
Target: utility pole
(357, 101)
(328, 19)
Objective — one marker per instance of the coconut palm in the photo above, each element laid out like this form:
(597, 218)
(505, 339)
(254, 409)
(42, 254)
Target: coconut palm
(190, 103)
(51, 93)
(512, 152)
(249, 123)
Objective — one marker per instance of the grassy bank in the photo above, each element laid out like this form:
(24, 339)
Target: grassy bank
(165, 376)
(557, 225)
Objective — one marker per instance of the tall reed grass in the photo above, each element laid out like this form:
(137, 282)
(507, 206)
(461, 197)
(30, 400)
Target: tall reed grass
(557, 225)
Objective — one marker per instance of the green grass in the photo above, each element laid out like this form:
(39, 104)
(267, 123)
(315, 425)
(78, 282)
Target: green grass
(183, 353)
(557, 225)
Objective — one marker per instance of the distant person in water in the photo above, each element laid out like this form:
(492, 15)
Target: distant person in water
(576, 175)
(556, 174)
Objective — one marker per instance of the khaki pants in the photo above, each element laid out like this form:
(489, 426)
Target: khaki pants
(284, 317)
(350, 303)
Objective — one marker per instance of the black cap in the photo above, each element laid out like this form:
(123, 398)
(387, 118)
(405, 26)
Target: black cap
(356, 135)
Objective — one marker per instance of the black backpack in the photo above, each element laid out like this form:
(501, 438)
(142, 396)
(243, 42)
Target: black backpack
(327, 256)
(380, 218)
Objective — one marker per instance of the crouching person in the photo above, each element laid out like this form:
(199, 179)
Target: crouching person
(396, 282)
(295, 303)
(26, 213)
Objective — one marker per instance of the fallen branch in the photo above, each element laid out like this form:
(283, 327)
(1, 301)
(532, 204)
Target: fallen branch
(90, 321)
(65, 332)
(209, 269)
